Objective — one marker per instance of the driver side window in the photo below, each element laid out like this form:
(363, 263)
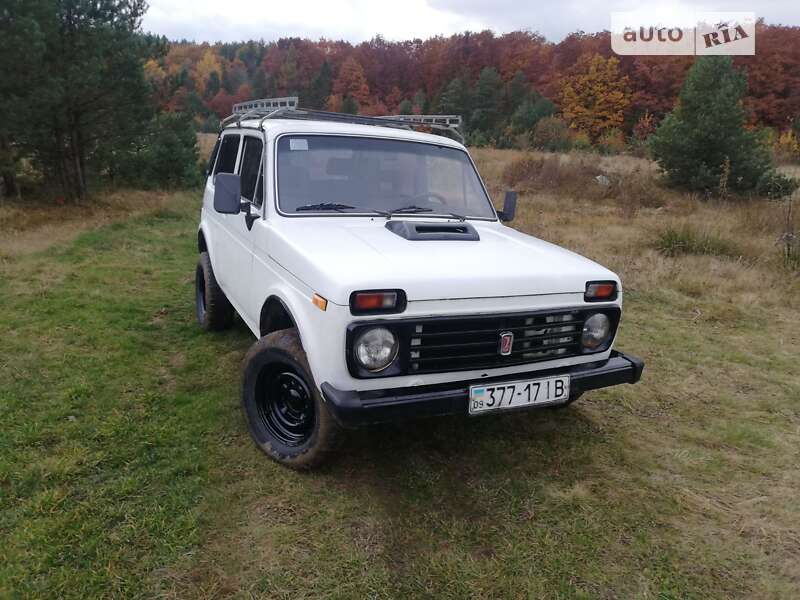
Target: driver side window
(250, 169)
(228, 151)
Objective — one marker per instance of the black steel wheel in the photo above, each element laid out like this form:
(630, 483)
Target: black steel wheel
(287, 417)
(285, 405)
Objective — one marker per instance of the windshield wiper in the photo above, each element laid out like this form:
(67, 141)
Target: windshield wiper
(325, 206)
(339, 208)
(411, 209)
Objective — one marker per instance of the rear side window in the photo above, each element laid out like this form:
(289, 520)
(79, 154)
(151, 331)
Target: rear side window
(250, 166)
(228, 149)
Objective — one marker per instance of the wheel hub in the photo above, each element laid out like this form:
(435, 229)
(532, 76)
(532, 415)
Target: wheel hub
(286, 407)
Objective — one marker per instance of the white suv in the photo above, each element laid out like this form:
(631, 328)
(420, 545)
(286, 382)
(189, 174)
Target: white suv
(369, 263)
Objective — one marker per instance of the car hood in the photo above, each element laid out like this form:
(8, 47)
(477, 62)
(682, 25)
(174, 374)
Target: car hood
(335, 256)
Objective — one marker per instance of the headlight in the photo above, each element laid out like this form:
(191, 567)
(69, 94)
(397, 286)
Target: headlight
(596, 331)
(376, 348)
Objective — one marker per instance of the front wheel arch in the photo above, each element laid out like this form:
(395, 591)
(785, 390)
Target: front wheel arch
(202, 245)
(275, 316)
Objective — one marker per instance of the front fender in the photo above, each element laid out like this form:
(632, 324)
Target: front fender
(317, 328)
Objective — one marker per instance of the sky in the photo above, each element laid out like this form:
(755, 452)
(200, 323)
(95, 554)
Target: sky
(359, 20)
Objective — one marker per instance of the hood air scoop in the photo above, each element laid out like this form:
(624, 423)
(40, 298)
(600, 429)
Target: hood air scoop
(421, 231)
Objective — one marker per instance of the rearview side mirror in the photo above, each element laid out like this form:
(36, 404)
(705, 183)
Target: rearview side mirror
(509, 207)
(227, 194)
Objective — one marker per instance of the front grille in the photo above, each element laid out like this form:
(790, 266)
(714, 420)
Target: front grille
(456, 344)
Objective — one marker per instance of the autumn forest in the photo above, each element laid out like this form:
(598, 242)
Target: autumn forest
(124, 106)
(501, 84)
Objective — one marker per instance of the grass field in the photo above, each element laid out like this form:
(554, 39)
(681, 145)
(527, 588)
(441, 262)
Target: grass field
(126, 468)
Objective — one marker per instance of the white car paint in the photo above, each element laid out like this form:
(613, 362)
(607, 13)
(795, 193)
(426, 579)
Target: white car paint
(293, 257)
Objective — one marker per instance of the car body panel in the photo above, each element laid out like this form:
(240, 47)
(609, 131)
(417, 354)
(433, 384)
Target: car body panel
(293, 258)
(360, 253)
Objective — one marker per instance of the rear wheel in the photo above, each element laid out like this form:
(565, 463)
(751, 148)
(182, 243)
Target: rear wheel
(214, 312)
(287, 417)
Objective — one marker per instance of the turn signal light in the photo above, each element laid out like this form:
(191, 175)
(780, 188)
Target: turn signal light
(373, 302)
(600, 291)
(319, 302)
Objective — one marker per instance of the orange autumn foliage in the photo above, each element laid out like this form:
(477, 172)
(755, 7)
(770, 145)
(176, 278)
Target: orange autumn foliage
(595, 95)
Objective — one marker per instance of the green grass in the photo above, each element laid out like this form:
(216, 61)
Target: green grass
(126, 468)
(675, 241)
(107, 395)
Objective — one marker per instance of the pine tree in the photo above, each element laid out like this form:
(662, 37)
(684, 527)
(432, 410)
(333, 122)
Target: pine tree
(212, 85)
(288, 77)
(271, 87)
(705, 134)
(165, 155)
(406, 107)
(22, 47)
(517, 92)
(251, 54)
(530, 112)
(234, 76)
(237, 76)
(455, 99)
(486, 106)
(421, 102)
(260, 84)
(349, 105)
(320, 88)
(95, 95)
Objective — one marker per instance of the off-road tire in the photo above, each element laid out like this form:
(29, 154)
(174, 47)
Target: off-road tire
(276, 365)
(214, 312)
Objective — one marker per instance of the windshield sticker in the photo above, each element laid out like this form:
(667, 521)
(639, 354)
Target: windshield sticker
(298, 144)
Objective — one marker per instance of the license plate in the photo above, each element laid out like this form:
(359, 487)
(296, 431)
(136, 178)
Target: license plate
(516, 394)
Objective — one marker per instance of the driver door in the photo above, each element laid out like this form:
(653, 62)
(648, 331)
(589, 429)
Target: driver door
(234, 246)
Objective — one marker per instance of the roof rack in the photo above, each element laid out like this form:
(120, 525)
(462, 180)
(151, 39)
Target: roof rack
(287, 108)
(259, 108)
(266, 104)
(449, 121)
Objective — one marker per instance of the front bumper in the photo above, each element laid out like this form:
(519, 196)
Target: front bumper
(353, 408)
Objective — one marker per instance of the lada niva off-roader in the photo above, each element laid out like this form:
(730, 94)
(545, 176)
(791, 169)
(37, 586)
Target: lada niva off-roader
(381, 283)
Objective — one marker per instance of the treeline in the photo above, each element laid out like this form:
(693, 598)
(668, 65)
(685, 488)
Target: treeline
(502, 84)
(86, 95)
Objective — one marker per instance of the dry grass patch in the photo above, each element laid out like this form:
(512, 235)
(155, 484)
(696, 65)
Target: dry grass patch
(32, 225)
(205, 144)
(577, 175)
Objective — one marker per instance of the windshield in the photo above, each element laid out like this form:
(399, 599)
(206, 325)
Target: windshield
(340, 174)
